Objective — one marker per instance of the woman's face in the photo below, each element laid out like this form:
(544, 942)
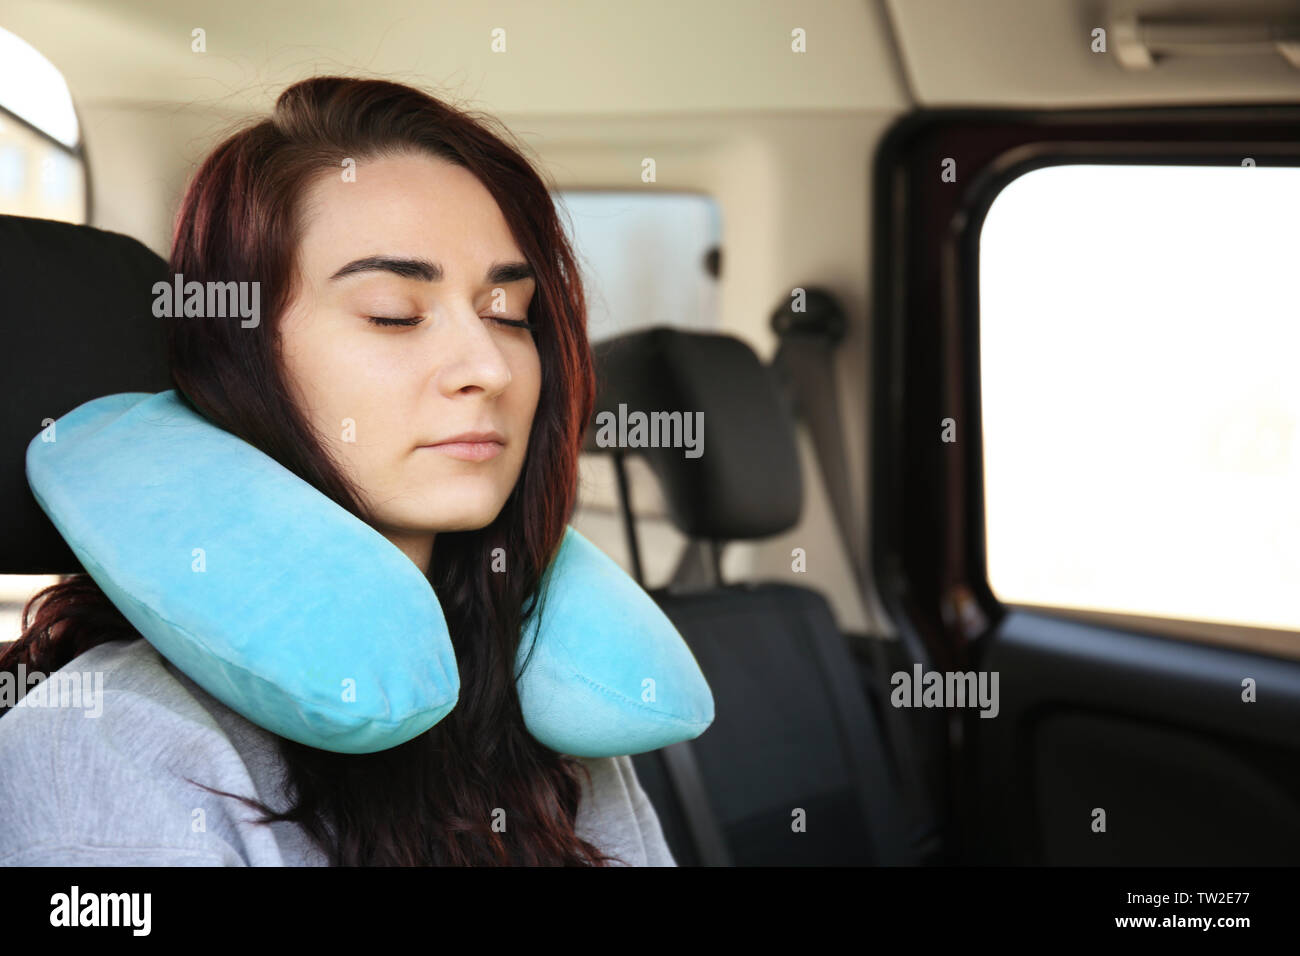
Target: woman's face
(420, 239)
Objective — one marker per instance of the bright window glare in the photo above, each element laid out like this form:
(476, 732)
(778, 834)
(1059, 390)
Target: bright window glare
(1139, 347)
(31, 87)
(642, 258)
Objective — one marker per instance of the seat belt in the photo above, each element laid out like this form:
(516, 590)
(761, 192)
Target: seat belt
(805, 366)
(684, 772)
(678, 759)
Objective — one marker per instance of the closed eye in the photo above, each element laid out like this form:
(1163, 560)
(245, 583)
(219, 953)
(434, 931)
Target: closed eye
(415, 320)
(384, 320)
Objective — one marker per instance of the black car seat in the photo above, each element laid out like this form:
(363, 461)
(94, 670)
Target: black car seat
(76, 317)
(794, 769)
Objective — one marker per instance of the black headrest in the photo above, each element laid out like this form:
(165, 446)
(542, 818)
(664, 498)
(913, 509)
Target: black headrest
(76, 318)
(746, 483)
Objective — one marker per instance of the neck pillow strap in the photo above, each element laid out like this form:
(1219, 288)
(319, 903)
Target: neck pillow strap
(306, 621)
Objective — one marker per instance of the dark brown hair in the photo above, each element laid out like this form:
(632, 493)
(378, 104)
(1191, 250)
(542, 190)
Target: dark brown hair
(429, 801)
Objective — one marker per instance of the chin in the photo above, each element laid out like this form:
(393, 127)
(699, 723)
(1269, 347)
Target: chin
(449, 503)
(468, 518)
(476, 522)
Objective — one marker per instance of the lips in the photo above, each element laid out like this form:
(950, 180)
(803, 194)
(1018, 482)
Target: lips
(468, 450)
(474, 437)
(470, 446)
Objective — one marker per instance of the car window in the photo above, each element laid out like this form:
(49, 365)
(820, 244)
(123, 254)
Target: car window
(42, 168)
(645, 259)
(1139, 333)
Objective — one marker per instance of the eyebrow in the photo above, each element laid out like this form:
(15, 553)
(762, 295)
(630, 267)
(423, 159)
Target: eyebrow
(498, 274)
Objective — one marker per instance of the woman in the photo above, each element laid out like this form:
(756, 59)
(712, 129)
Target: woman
(415, 285)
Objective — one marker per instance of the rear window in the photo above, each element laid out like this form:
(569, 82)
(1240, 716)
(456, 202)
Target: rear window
(646, 259)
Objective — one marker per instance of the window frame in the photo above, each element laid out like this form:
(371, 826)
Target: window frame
(928, 540)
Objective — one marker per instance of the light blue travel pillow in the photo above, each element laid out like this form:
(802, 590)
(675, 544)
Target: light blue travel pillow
(310, 623)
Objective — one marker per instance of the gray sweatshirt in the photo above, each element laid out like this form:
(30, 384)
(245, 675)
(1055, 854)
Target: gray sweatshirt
(99, 779)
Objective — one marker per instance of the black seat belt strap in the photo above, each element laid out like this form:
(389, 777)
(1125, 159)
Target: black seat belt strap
(678, 759)
(684, 772)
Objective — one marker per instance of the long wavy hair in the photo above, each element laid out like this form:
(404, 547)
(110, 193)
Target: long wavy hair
(428, 801)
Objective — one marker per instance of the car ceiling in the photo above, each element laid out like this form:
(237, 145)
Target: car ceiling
(592, 57)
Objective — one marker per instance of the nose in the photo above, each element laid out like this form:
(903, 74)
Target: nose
(468, 356)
